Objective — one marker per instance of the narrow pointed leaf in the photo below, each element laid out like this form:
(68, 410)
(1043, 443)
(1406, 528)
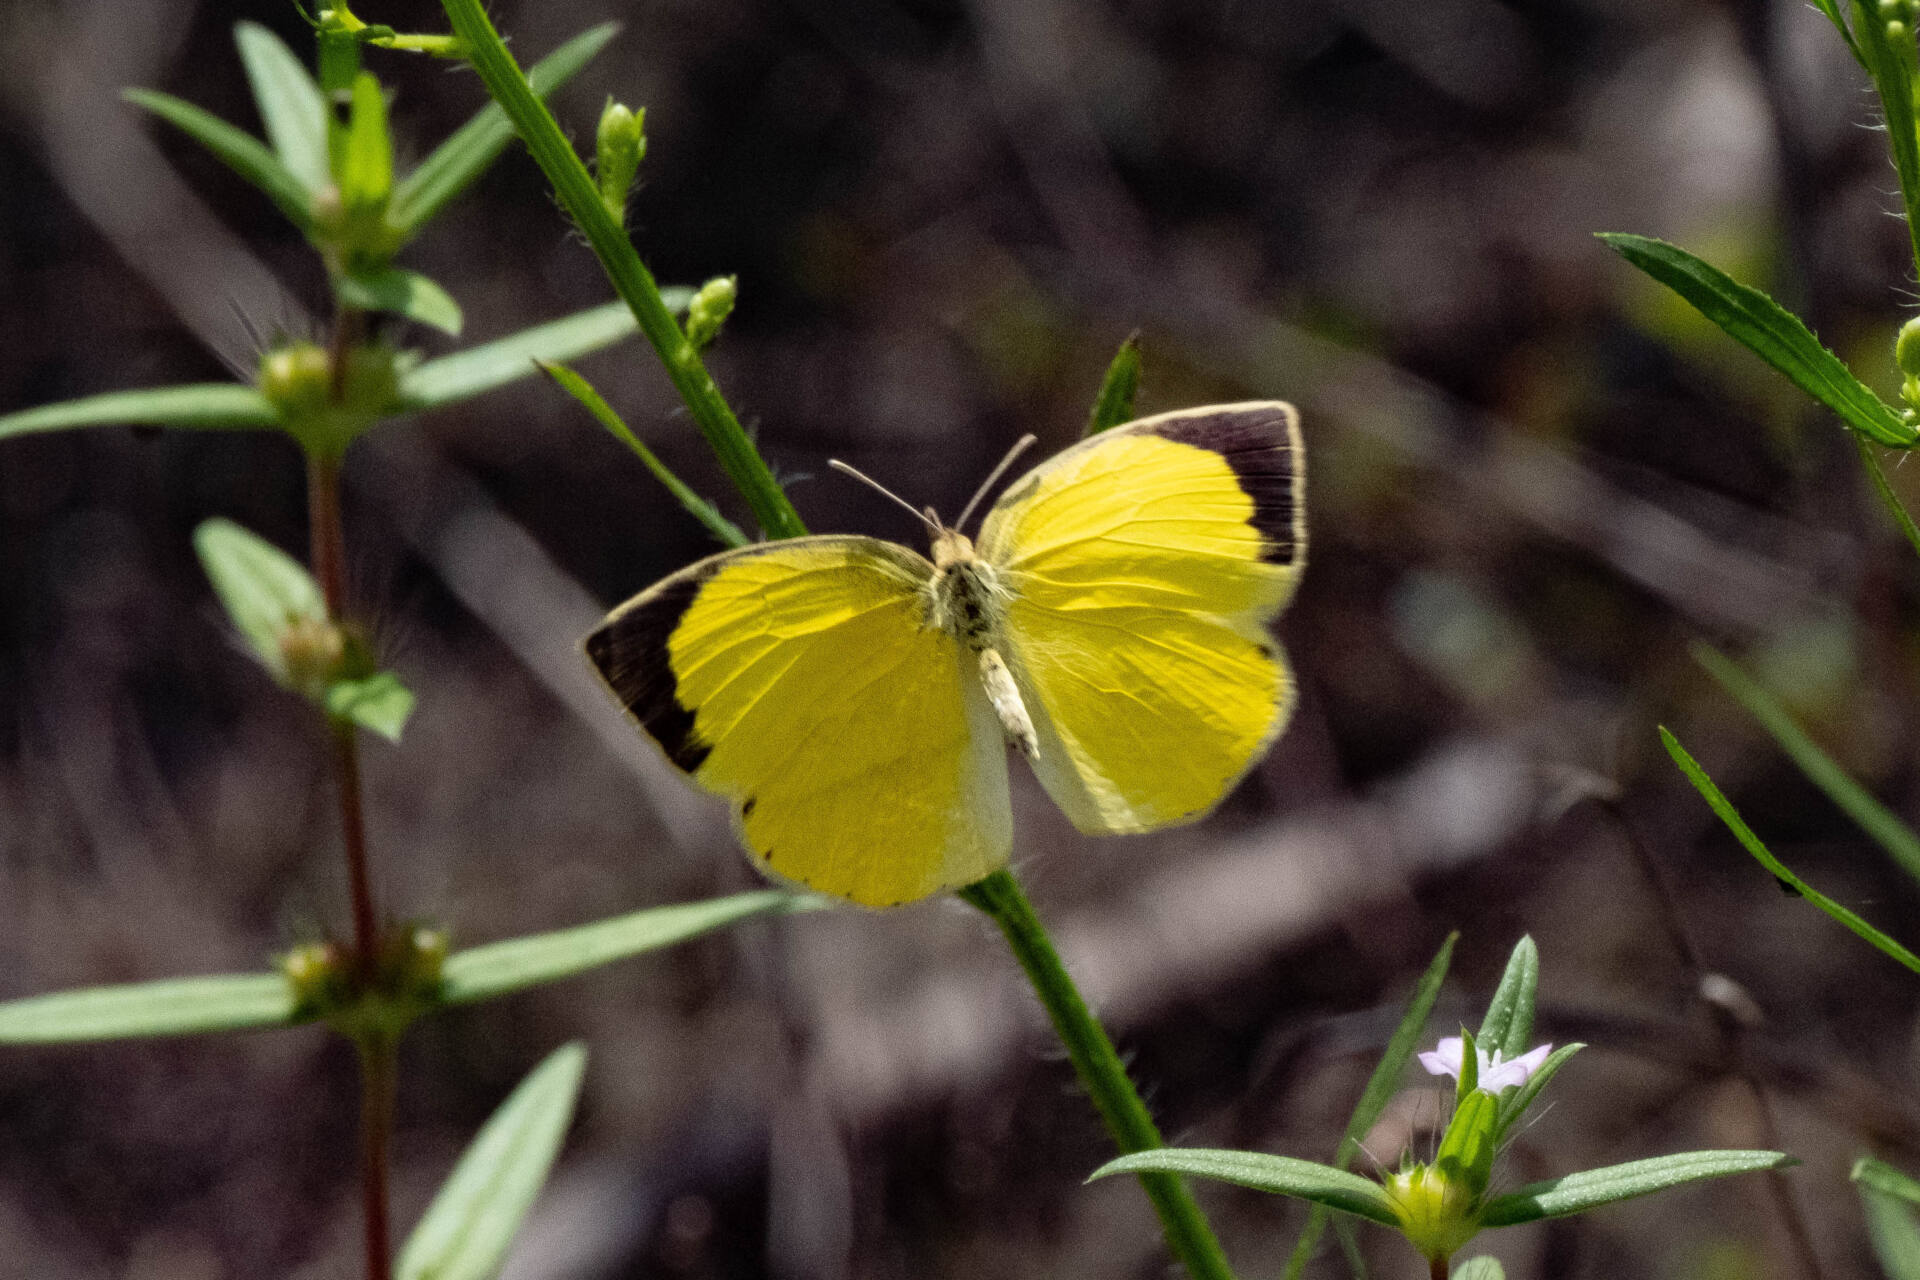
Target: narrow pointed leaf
(406, 293)
(1579, 1192)
(1381, 1086)
(1878, 1175)
(1114, 404)
(1509, 1020)
(205, 406)
(696, 506)
(1895, 1234)
(1832, 10)
(378, 702)
(466, 154)
(499, 968)
(240, 151)
(1480, 1268)
(468, 373)
(1727, 814)
(1283, 1175)
(1770, 331)
(1870, 460)
(1872, 817)
(291, 108)
(262, 587)
(175, 1007)
(1515, 1104)
(472, 1221)
(365, 170)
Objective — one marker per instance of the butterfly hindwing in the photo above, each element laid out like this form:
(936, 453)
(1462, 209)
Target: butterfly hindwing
(1142, 567)
(799, 679)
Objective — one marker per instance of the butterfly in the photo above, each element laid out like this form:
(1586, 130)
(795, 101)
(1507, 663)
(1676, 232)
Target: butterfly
(854, 700)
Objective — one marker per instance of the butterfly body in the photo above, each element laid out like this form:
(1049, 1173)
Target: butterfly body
(854, 698)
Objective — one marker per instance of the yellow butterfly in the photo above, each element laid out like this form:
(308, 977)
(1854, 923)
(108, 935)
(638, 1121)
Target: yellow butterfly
(854, 700)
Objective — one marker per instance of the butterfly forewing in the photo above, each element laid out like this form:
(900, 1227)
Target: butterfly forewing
(799, 679)
(1142, 567)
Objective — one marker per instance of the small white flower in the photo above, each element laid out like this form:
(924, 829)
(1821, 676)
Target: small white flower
(1494, 1075)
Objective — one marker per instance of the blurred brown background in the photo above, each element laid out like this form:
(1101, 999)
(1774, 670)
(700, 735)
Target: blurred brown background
(1533, 481)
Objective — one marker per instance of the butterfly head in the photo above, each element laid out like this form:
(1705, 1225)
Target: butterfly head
(951, 548)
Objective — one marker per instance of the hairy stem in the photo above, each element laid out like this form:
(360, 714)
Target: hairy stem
(1186, 1229)
(580, 196)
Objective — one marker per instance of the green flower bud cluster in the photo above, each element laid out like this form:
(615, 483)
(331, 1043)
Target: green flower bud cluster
(325, 412)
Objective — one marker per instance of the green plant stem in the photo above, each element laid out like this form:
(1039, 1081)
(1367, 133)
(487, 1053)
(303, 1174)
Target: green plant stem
(580, 196)
(378, 1085)
(1187, 1233)
(1884, 488)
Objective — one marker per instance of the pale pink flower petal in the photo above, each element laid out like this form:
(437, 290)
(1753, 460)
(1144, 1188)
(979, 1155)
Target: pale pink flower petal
(1445, 1058)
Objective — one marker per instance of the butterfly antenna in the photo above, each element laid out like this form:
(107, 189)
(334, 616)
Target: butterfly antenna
(924, 517)
(1020, 446)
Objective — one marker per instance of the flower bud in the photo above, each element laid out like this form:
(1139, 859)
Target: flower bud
(620, 146)
(298, 379)
(313, 654)
(710, 308)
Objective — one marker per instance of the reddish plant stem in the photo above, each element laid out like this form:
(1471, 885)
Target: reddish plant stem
(1437, 1269)
(378, 1080)
(327, 540)
(353, 831)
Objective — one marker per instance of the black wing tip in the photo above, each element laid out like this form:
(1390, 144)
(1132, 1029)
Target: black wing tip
(1260, 440)
(631, 651)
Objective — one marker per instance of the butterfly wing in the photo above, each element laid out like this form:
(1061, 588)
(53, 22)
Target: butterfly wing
(1142, 567)
(798, 679)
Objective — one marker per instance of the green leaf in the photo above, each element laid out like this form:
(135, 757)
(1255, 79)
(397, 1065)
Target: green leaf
(262, 588)
(1895, 1235)
(1509, 1021)
(378, 702)
(1832, 10)
(1283, 1175)
(240, 151)
(1515, 1104)
(698, 507)
(466, 154)
(1770, 332)
(1888, 1197)
(1880, 1176)
(469, 373)
(472, 1221)
(291, 108)
(207, 406)
(1731, 817)
(175, 1007)
(500, 968)
(1114, 404)
(365, 168)
(406, 293)
(1480, 1268)
(1888, 498)
(1381, 1086)
(1579, 1192)
(1872, 817)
